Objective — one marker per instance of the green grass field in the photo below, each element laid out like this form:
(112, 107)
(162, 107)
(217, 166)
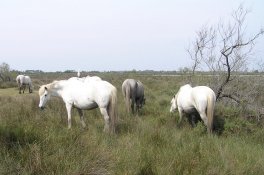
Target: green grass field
(38, 142)
(9, 92)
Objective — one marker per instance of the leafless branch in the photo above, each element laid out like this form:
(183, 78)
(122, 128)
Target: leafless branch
(224, 50)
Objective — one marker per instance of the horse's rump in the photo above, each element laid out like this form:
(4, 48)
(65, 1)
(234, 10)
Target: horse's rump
(201, 98)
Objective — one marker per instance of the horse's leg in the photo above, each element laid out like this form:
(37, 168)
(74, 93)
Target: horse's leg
(127, 101)
(204, 118)
(137, 109)
(180, 115)
(193, 120)
(138, 105)
(24, 87)
(69, 107)
(81, 117)
(133, 105)
(20, 89)
(106, 118)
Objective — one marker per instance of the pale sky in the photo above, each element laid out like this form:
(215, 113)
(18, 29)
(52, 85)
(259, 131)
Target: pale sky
(103, 35)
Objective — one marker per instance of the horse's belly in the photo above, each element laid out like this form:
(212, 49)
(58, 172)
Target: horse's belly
(189, 110)
(86, 105)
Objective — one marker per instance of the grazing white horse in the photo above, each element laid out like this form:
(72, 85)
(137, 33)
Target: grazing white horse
(22, 82)
(191, 99)
(84, 93)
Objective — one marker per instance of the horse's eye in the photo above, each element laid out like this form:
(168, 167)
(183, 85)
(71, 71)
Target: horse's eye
(45, 95)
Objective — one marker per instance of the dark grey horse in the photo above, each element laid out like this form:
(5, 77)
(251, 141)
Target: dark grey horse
(133, 91)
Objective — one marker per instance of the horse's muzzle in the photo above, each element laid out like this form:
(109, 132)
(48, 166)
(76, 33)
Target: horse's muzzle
(42, 107)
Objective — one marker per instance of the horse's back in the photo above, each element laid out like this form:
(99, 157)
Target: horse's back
(203, 91)
(129, 83)
(85, 94)
(92, 87)
(194, 96)
(27, 79)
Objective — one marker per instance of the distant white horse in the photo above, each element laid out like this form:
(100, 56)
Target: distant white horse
(199, 99)
(88, 93)
(133, 91)
(22, 82)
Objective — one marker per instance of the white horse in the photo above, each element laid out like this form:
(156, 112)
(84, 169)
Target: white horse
(84, 94)
(199, 99)
(22, 82)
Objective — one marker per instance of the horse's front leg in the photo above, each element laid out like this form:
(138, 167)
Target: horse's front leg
(192, 119)
(69, 107)
(81, 117)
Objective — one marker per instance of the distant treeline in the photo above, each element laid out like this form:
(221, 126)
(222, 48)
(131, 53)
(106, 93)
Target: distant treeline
(136, 71)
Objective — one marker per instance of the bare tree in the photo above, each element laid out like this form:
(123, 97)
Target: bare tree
(224, 50)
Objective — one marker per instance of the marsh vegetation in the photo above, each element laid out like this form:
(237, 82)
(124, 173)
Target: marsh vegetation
(38, 142)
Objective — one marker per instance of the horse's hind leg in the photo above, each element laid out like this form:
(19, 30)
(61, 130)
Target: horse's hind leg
(180, 115)
(204, 118)
(81, 117)
(133, 105)
(69, 107)
(24, 87)
(106, 118)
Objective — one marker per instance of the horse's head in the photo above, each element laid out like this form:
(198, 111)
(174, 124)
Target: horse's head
(173, 104)
(44, 96)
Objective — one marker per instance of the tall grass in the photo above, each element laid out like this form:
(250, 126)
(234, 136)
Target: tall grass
(38, 142)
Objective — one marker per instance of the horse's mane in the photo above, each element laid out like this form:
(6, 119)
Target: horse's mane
(49, 86)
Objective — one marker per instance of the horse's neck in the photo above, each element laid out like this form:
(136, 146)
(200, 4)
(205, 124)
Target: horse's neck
(56, 88)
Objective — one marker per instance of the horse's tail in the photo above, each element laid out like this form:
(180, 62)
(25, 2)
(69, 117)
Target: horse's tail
(112, 110)
(210, 112)
(126, 93)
